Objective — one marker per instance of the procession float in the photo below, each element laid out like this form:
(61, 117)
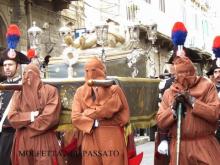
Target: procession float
(130, 63)
(126, 66)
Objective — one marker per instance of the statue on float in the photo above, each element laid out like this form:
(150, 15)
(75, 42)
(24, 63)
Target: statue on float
(89, 40)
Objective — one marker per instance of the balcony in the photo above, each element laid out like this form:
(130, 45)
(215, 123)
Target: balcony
(55, 5)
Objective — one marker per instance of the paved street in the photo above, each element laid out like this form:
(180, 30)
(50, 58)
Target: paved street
(148, 149)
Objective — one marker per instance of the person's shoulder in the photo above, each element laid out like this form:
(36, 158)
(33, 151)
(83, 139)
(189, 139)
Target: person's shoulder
(81, 88)
(50, 88)
(205, 80)
(115, 88)
(80, 91)
(205, 83)
(4, 82)
(17, 94)
(168, 91)
(168, 95)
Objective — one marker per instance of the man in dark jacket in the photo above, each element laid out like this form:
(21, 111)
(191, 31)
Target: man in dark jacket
(214, 75)
(10, 67)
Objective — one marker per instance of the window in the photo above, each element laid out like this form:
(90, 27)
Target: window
(205, 28)
(132, 10)
(184, 15)
(196, 22)
(162, 5)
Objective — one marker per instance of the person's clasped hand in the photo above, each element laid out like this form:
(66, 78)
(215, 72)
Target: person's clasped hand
(190, 100)
(185, 99)
(179, 99)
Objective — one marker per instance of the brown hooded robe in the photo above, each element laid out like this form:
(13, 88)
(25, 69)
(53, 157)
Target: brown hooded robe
(198, 144)
(35, 142)
(104, 145)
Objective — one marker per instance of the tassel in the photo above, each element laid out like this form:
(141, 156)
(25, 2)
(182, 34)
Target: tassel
(13, 36)
(216, 49)
(179, 34)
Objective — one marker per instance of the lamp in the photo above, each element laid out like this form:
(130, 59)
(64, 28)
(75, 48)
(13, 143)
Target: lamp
(152, 36)
(34, 35)
(49, 45)
(152, 33)
(132, 62)
(102, 38)
(134, 32)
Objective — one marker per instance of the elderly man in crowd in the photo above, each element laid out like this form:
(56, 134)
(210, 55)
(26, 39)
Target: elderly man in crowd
(200, 107)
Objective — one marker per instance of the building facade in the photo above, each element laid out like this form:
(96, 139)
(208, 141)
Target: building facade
(49, 15)
(196, 15)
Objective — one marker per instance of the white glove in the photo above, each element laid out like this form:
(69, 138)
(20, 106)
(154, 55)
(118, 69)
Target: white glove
(163, 147)
(33, 115)
(96, 123)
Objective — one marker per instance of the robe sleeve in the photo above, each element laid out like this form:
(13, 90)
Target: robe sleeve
(116, 106)
(49, 117)
(108, 109)
(209, 109)
(164, 116)
(123, 115)
(17, 118)
(79, 120)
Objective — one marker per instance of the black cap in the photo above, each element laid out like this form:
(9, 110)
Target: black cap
(20, 58)
(192, 55)
(212, 68)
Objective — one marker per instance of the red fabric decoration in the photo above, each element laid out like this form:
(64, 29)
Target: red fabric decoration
(55, 162)
(131, 153)
(31, 53)
(136, 160)
(71, 147)
(133, 158)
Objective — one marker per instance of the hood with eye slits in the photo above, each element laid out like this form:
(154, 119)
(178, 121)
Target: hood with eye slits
(30, 92)
(184, 82)
(94, 69)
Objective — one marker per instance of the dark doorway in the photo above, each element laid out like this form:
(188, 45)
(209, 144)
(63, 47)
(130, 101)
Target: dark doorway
(2, 43)
(2, 34)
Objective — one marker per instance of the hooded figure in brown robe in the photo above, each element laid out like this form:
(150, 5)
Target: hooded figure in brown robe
(35, 113)
(101, 113)
(198, 144)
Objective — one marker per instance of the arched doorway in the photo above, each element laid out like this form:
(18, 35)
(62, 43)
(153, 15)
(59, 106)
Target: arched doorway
(2, 43)
(2, 34)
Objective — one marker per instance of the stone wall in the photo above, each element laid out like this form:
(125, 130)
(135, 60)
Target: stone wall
(14, 11)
